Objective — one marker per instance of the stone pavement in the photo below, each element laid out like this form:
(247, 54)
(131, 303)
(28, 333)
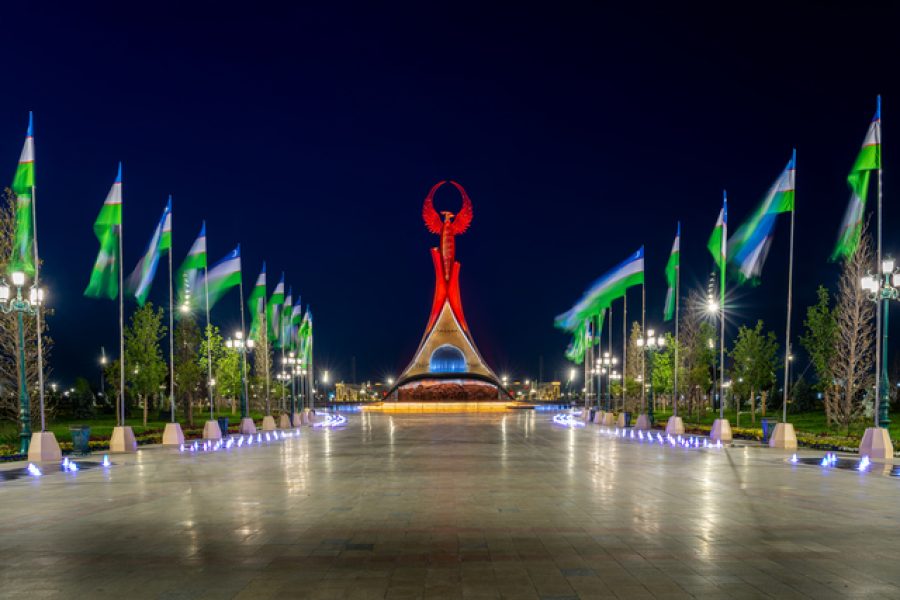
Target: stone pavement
(452, 506)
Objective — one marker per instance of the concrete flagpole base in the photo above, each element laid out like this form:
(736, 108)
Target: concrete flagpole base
(608, 419)
(643, 422)
(783, 437)
(172, 435)
(284, 421)
(721, 431)
(298, 419)
(876, 443)
(44, 447)
(212, 431)
(675, 426)
(122, 440)
(268, 423)
(248, 427)
(620, 421)
(307, 416)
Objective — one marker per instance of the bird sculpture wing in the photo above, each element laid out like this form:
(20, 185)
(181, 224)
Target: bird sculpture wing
(432, 219)
(464, 216)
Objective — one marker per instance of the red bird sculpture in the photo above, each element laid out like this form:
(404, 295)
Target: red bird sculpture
(448, 227)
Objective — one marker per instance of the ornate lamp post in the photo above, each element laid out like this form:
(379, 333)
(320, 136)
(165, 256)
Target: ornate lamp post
(243, 347)
(606, 364)
(883, 287)
(47, 447)
(651, 345)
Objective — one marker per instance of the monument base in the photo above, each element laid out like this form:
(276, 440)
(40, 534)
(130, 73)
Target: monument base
(43, 447)
(307, 416)
(172, 435)
(876, 444)
(643, 422)
(298, 419)
(721, 431)
(212, 431)
(122, 440)
(268, 423)
(284, 421)
(675, 426)
(783, 437)
(608, 419)
(620, 420)
(248, 427)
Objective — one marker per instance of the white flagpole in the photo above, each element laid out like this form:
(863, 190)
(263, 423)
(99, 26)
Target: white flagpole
(724, 257)
(209, 381)
(37, 308)
(121, 318)
(790, 298)
(624, 346)
(677, 293)
(171, 325)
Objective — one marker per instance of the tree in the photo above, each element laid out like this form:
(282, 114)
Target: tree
(661, 366)
(9, 338)
(189, 373)
(755, 355)
(79, 402)
(634, 356)
(228, 376)
(145, 368)
(820, 342)
(696, 355)
(262, 367)
(216, 345)
(851, 363)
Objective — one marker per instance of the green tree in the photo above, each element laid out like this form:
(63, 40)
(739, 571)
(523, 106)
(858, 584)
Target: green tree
(820, 342)
(755, 355)
(189, 373)
(216, 344)
(633, 357)
(145, 368)
(228, 376)
(696, 355)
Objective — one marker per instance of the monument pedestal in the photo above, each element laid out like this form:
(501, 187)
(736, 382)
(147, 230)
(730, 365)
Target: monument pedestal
(298, 419)
(172, 435)
(212, 431)
(783, 437)
(721, 431)
(268, 423)
(675, 426)
(307, 416)
(643, 422)
(248, 427)
(620, 420)
(43, 447)
(608, 419)
(284, 421)
(122, 440)
(876, 444)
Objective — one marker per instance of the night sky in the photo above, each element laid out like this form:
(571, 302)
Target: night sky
(311, 135)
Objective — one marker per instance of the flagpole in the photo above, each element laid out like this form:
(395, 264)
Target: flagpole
(37, 307)
(790, 298)
(262, 319)
(209, 377)
(171, 327)
(723, 260)
(281, 318)
(610, 365)
(586, 358)
(246, 407)
(643, 354)
(677, 294)
(121, 324)
(624, 346)
(881, 309)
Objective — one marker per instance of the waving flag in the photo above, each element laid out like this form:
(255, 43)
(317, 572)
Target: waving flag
(273, 310)
(104, 281)
(141, 278)
(256, 303)
(284, 322)
(23, 187)
(604, 290)
(223, 276)
(296, 321)
(672, 275)
(749, 245)
(717, 246)
(868, 160)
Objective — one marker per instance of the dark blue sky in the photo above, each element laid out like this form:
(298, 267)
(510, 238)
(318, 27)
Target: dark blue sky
(312, 134)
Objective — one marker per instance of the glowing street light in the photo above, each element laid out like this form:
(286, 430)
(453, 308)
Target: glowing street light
(651, 344)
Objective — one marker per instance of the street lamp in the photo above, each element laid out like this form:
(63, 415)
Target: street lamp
(651, 344)
(21, 305)
(243, 347)
(606, 363)
(883, 286)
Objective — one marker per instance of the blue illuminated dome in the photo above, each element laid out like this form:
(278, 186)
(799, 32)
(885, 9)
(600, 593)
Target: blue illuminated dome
(447, 359)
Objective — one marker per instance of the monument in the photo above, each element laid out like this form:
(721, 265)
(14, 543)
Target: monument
(447, 365)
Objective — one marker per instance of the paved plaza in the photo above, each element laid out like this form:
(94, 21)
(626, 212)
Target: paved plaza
(504, 505)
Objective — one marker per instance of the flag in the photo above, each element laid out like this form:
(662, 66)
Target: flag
(672, 275)
(305, 334)
(141, 278)
(749, 245)
(717, 246)
(223, 276)
(296, 320)
(189, 271)
(273, 310)
(868, 160)
(256, 303)
(23, 187)
(578, 345)
(604, 290)
(104, 278)
(284, 326)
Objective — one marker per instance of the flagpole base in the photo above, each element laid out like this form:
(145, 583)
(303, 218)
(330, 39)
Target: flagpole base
(721, 431)
(783, 437)
(122, 440)
(268, 423)
(248, 427)
(298, 420)
(172, 435)
(620, 420)
(876, 443)
(44, 447)
(211, 430)
(608, 419)
(307, 416)
(643, 422)
(284, 421)
(675, 426)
